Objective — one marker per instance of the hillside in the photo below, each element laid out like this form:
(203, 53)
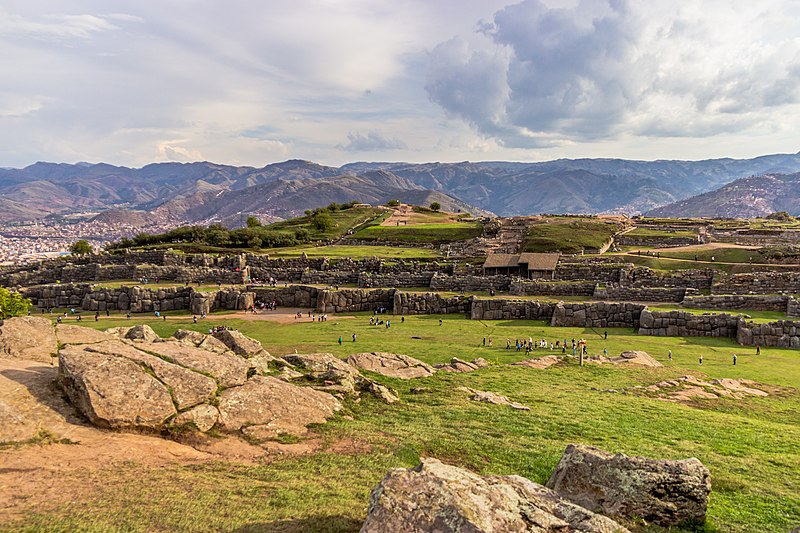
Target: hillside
(194, 192)
(755, 196)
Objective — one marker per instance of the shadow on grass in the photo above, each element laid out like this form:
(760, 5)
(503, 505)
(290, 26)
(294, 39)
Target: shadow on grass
(317, 524)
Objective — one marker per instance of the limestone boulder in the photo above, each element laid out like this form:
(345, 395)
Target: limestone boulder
(459, 365)
(664, 492)
(239, 343)
(112, 391)
(203, 417)
(200, 340)
(266, 407)
(187, 387)
(493, 398)
(70, 334)
(28, 337)
(539, 362)
(326, 367)
(446, 499)
(391, 365)
(636, 357)
(228, 369)
(142, 333)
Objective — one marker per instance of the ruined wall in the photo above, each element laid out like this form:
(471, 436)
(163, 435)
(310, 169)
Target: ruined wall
(793, 308)
(470, 283)
(524, 287)
(738, 302)
(301, 296)
(354, 300)
(400, 279)
(598, 272)
(640, 294)
(647, 277)
(597, 314)
(506, 309)
(781, 334)
(784, 282)
(686, 324)
(428, 303)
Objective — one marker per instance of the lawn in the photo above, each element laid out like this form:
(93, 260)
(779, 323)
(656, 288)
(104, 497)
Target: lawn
(437, 233)
(343, 221)
(751, 446)
(724, 255)
(570, 235)
(339, 251)
(659, 233)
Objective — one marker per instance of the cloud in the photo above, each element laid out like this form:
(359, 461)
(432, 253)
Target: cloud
(545, 76)
(53, 27)
(371, 142)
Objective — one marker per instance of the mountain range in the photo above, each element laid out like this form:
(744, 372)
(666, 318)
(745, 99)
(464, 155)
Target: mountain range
(206, 192)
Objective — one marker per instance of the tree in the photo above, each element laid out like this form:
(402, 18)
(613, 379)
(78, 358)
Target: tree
(322, 221)
(254, 243)
(253, 222)
(81, 247)
(393, 203)
(436, 206)
(12, 304)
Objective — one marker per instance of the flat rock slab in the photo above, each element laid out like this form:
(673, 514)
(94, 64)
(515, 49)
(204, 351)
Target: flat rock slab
(664, 492)
(70, 334)
(459, 365)
(28, 337)
(239, 343)
(539, 362)
(112, 391)
(187, 386)
(446, 499)
(391, 365)
(200, 340)
(228, 369)
(491, 397)
(272, 406)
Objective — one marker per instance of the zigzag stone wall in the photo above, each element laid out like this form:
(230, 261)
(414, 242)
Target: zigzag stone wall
(781, 334)
(524, 287)
(686, 324)
(506, 309)
(597, 314)
(428, 303)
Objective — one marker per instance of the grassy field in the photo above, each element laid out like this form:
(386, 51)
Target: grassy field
(436, 233)
(569, 235)
(724, 255)
(343, 221)
(657, 233)
(751, 446)
(338, 251)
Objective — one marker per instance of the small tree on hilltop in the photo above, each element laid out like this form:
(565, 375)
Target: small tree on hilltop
(393, 203)
(436, 206)
(81, 247)
(322, 221)
(12, 304)
(253, 222)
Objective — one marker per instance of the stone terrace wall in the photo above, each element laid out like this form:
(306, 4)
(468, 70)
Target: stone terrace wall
(738, 302)
(640, 294)
(354, 300)
(598, 272)
(470, 283)
(597, 315)
(646, 277)
(524, 287)
(505, 309)
(758, 283)
(293, 296)
(329, 277)
(400, 279)
(428, 303)
(793, 308)
(50, 296)
(686, 324)
(781, 334)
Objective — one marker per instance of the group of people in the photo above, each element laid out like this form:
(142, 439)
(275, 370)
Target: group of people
(579, 346)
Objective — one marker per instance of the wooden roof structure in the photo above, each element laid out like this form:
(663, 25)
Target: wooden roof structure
(535, 261)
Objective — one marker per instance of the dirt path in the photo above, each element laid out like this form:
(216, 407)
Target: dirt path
(400, 216)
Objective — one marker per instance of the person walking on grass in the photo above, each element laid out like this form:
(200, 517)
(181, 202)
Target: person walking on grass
(701, 359)
(669, 355)
(734, 359)
(354, 337)
(340, 341)
(758, 349)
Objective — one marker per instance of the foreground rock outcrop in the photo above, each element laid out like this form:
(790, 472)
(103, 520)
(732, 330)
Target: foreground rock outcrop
(446, 499)
(664, 492)
(459, 365)
(27, 337)
(129, 379)
(391, 365)
(492, 397)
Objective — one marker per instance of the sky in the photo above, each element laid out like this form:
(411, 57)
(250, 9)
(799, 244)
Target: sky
(336, 81)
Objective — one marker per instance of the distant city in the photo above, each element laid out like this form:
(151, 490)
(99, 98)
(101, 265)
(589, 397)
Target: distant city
(34, 242)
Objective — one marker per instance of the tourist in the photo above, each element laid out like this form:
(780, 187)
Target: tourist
(58, 319)
(402, 319)
(484, 341)
(605, 335)
(440, 321)
(734, 359)
(490, 342)
(701, 359)
(508, 344)
(340, 340)
(194, 319)
(354, 337)
(97, 316)
(669, 355)
(758, 349)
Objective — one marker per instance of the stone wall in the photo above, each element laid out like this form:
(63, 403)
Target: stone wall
(686, 324)
(640, 294)
(597, 272)
(658, 242)
(647, 277)
(292, 296)
(781, 334)
(786, 282)
(506, 309)
(738, 302)
(428, 303)
(329, 277)
(470, 283)
(597, 314)
(793, 308)
(524, 287)
(53, 296)
(354, 300)
(400, 279)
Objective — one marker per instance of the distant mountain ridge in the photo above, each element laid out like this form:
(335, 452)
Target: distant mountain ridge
(754, 196)
(201, 191)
